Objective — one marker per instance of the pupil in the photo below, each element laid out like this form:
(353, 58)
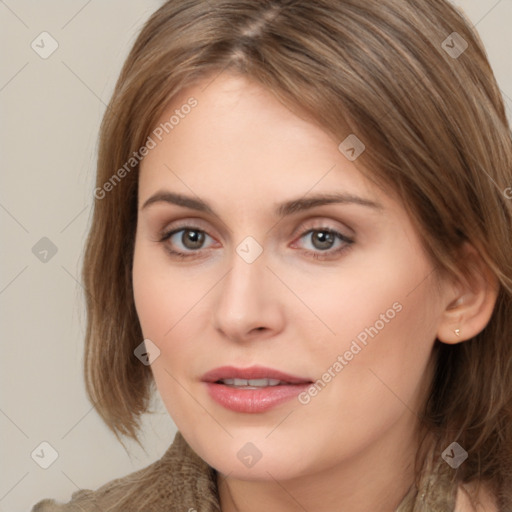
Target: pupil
(323, 239)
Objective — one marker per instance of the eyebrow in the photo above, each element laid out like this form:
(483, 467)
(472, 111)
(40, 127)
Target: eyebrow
(281, 210)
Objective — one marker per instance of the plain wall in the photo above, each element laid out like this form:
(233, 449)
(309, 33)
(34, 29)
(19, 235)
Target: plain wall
(50, 115)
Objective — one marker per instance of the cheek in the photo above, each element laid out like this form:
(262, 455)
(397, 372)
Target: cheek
(163, 294)
(174, 309)
(385, 326)
(380, 318)
(162, 300)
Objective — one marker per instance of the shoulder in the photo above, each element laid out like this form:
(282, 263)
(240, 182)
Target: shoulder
(78, 503)
(106, 498)
(178, 478)
(472, 497)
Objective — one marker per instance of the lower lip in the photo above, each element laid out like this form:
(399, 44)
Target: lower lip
(253, 400)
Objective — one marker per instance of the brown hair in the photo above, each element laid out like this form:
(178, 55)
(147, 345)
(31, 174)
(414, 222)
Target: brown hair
(436, 134)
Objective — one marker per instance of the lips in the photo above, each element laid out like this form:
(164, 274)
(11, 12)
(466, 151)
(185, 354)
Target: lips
(252, 390)
(252, 373)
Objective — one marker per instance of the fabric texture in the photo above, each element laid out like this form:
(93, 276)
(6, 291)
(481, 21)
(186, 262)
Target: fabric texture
(182, 482)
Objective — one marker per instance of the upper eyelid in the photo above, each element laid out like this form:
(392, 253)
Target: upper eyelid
(303, 226)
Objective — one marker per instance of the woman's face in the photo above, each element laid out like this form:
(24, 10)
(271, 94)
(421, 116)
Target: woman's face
(260, 244)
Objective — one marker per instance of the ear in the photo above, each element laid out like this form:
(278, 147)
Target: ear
(471, 301)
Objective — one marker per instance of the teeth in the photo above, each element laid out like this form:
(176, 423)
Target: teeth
(251, 383)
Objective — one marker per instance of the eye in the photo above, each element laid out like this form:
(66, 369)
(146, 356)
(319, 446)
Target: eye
(185, 241)
(323, 243)
(319, 243)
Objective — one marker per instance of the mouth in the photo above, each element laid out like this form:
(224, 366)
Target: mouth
(255, 376)
(252, 383)
(252, 390)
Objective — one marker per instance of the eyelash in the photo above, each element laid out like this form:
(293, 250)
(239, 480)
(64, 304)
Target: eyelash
(317, 255)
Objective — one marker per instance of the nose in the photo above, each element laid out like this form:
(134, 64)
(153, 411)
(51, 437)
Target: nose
(248, 305)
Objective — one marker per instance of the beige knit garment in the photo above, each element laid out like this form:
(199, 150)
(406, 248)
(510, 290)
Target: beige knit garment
(182, 482)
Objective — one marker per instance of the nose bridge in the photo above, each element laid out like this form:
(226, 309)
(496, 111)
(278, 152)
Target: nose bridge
(247, 298)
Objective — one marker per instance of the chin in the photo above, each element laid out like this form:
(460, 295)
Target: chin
(278, 467)
(258, 460)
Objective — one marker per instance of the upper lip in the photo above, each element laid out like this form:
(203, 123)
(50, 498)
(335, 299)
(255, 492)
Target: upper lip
(253, 372)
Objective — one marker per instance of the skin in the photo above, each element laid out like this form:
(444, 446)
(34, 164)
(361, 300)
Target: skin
(243, 152)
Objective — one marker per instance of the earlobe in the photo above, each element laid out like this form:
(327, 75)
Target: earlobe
(451, 332)
(469, 313)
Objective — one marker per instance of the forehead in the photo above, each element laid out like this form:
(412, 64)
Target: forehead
(240, 143)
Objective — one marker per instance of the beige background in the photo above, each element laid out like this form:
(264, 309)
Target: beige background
(50, 111)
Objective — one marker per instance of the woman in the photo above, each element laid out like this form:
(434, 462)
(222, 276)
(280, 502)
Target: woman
(301, 236)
